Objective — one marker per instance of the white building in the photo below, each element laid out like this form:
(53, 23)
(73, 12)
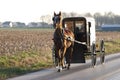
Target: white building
(6, 24)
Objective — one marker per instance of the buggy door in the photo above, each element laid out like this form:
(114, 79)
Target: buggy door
(80, 35)
(78, 26)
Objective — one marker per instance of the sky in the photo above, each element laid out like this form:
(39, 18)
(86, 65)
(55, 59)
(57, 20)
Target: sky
(31, 10)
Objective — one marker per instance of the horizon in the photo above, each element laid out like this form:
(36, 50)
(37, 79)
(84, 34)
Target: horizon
(31, 10)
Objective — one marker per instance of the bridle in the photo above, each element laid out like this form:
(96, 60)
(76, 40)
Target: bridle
(56, 20)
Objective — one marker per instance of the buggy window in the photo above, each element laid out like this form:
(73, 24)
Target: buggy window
(69, 25)
(79, 26)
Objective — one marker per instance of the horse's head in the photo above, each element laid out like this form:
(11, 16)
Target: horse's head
(56, 20)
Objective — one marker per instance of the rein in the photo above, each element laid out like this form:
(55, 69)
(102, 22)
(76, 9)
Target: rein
(62, 36)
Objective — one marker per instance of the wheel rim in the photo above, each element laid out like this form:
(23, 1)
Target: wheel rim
(102, 58)
(102, 52)
(93, 60)
(93, 55)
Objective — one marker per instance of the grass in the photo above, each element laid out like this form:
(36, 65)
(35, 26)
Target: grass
(111, 39)
(24, 50)
(21, 63)
(112, 46)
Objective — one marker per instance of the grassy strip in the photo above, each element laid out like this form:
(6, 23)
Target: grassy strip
(112, 46)
(17, 64)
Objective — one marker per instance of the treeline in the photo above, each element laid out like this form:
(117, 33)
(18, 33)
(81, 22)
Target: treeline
(106, 18)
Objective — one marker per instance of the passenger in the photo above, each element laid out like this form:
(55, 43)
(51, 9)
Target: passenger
(66, 27)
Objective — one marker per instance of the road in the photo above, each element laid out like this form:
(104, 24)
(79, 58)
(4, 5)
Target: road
(108, 71)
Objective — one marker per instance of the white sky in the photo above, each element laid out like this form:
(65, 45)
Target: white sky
(31, 10)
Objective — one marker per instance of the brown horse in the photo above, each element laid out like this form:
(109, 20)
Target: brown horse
(61, 42)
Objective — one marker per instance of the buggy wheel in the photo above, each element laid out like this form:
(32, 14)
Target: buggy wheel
(93, 55)
(93, 60)
(102, 58)
(102, 52)
(54, 58)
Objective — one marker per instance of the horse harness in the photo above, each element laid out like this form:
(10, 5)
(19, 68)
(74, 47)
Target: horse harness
(62, 36)
(69, 38)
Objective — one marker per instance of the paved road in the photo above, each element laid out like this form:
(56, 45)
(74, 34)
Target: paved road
(108, 71)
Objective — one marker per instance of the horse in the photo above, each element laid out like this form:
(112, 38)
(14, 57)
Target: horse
(62, 42)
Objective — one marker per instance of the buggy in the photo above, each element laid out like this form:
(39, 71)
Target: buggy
(85, 40)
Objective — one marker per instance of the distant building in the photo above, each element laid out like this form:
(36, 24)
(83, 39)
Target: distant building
(38, 24)
(12, 24)
(114, 27)
(32, 24)
(18, 24)
(6, 24)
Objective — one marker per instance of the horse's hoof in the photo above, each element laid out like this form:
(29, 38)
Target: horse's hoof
(68, 68)
(58, 70)
(64, 67)
(57, 67)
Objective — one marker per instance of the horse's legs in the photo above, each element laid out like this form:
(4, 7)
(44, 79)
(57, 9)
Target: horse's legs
(63, 56)
(70, 50)
(59, 60)
(56, 58)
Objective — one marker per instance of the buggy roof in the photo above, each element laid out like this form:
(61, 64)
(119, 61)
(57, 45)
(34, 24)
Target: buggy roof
(73, 19)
